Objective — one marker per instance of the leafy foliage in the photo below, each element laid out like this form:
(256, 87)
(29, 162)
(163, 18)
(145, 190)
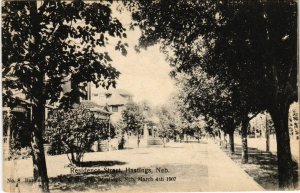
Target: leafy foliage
(206, 99)
(177, 118)
(133, 118)
(56, 42)
(76, 130)
(249, 46)
(231, 41)
(167, 126)
(49, 43)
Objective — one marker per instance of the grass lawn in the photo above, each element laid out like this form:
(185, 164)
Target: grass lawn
(262, 166)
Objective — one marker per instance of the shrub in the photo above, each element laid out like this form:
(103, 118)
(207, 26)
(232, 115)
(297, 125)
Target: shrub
(74, 131)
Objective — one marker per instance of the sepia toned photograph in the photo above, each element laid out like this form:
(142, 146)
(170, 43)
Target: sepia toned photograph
(149, 96)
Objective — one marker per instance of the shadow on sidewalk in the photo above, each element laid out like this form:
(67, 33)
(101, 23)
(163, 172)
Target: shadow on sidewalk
(261, 166)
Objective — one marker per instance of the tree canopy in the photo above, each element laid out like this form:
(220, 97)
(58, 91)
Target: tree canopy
(74, 131)
(49, 43)
(133, 118)
(249, 46)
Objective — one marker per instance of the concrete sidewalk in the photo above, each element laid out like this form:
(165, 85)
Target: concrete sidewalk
(225, 175)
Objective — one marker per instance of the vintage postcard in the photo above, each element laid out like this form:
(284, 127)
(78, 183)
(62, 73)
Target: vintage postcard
(149, 96)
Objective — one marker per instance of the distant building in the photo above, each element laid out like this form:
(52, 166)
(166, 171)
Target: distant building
(150, 132)
(262, 120)
(114, 99)
(17, 116)
(294, 120)
(99, 111)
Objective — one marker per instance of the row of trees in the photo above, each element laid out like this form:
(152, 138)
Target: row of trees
(236, 58)
(247, 49)
(168, 121)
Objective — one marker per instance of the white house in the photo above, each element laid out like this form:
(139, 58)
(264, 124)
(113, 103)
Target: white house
(114, 99)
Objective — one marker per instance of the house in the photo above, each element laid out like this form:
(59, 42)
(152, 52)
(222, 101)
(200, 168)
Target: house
(11, 117)
(106, 104)
(293, 121)
(114, 99)
(102, 112)
(99, 111)
(17, 116)
(150, 132)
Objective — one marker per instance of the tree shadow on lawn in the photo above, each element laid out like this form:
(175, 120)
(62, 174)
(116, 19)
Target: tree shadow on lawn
(195, 141)
(172, 147)
(99, 163)
(126, 148)
(261, 166)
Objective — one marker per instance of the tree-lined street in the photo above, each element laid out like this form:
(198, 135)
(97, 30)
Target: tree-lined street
(230, 101)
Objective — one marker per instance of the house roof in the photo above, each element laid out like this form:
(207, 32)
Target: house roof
(100, 111)
(116, 99)
(123, 92)
(92, 106)
(114, 91)
(113, 96)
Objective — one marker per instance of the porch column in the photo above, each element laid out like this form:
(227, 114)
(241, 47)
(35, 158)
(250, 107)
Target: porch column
(145, 132)
(9, 118)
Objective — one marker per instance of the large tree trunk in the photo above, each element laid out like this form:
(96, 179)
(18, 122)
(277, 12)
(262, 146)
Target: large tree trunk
(231, 142)
(38, 154)
(245, 123)
(38, 110)
(138, 140)
(267, 135)
(285, 164)
(225, 140)
(220, 139)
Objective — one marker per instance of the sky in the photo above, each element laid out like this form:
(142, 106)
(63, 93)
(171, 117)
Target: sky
(144, 74)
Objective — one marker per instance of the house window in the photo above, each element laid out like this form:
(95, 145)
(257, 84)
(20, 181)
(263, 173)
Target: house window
(115, 108)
